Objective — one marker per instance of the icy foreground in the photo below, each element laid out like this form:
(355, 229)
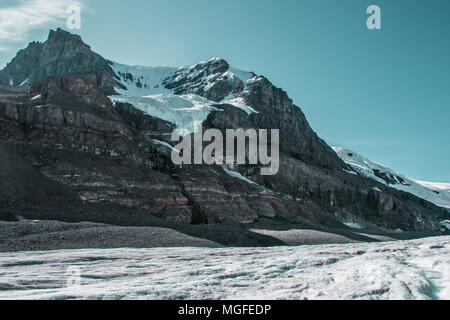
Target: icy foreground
(418, 269)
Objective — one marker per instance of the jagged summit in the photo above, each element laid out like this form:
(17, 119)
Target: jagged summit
(213, 79)
(58, 34)
(66, 53)
(62, 53)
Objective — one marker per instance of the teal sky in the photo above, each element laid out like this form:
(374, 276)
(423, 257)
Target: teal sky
(384, 93)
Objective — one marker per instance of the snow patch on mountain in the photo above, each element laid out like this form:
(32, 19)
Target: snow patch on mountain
(183, 111)
(182, 95)
(435, 186)
(140, 80)
(238, 102)
(446, 224)
(241, 74)
(354, 225)
(437, 193)
(239, 176)
(377, 189)
(166, 145)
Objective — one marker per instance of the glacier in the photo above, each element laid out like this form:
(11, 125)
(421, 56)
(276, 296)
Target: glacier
(145, 89)
(406, 270)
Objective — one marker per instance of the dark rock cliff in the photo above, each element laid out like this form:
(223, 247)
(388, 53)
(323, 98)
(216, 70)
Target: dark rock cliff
(311, 172)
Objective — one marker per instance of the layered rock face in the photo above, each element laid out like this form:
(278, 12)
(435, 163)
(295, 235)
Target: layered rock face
(110, 157)
(71, 137)
(150, 126)
(56, 110)
(311, 172)
(70, 132)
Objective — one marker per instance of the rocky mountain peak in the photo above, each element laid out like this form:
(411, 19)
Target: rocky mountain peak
(61, 54)
(62, 35)
(211, 79)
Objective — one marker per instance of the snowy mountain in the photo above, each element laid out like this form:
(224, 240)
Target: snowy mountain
(185, 95)
(97, 131)
(437, 193)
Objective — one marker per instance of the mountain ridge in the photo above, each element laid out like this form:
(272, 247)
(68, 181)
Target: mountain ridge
(125, 136)
(438, 193)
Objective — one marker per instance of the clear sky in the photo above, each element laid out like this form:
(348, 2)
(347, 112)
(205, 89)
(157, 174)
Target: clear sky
(383, 93)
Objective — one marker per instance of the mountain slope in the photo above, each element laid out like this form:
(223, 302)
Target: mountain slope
(437, 193)
(116, 155)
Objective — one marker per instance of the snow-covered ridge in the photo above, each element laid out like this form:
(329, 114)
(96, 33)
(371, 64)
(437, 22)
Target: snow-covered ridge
(182, 95)
(140, 80)
(437, 193)
(435, 186)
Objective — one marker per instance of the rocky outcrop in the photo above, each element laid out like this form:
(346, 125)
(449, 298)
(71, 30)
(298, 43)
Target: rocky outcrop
(63, 53)
(152, 127)
(67, 111)
(69, 132)
(210, 79)
(19, 70)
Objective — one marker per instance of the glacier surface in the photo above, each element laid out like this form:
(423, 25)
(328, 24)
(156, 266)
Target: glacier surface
(416, 269)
